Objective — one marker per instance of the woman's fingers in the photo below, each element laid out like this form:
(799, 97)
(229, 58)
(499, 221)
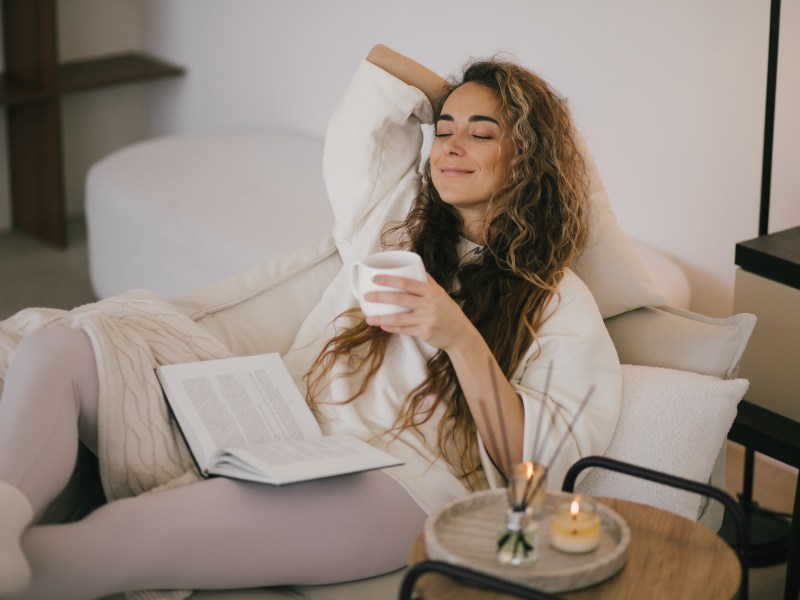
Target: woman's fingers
(408, 291)
(432, 315)
(412, 286)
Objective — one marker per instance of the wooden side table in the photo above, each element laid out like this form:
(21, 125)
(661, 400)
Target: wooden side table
(669, 556)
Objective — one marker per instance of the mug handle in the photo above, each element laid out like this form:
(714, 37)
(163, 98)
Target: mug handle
(354, 279)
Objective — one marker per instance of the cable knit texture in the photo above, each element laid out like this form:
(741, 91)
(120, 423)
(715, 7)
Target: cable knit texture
(140, 449)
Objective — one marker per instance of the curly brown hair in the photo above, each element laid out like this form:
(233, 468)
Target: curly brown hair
(537, 226)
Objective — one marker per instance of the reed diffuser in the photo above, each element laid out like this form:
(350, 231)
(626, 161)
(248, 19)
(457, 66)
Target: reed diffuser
(527, 487)
(516, 543)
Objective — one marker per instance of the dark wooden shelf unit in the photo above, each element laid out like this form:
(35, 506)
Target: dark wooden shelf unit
(775, 256)
(31, 89)
(113, 70)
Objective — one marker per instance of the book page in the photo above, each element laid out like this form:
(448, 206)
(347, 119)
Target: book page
(237, 402)
(299, 460)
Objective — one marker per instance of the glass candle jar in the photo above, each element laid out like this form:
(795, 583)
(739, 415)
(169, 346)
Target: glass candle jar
(575, 527)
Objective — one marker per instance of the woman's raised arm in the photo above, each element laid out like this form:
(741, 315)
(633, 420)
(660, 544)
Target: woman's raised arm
(407, 70)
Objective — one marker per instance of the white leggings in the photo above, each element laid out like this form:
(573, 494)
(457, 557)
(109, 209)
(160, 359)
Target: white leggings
(215, 534)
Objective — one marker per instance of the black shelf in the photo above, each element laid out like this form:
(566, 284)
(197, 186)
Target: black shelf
(772, 434)
(775, 256)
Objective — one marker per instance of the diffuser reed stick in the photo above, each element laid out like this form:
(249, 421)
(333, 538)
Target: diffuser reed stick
(534, 449)
(503, 432)
(562, 440)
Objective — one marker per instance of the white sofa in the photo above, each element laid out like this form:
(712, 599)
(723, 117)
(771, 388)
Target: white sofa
(175, 213)
(178, 214)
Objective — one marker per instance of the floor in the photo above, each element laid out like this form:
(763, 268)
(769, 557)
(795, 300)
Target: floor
(36, 274)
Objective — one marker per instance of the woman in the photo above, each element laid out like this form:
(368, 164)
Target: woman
(498, 217)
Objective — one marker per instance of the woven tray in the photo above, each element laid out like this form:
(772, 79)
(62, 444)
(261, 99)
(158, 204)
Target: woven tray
(464, 532)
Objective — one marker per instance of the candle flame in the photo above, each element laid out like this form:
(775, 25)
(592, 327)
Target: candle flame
(528, 469)
(575, 507)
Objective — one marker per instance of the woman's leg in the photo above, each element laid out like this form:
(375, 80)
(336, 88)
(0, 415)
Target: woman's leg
(222, 533)
(49, 401)
(50, 393)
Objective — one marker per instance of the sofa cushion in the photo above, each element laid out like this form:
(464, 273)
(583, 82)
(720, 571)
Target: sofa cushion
(609, 266)
(260, 309)
(680, 339)
(671, 421)
(675, 338)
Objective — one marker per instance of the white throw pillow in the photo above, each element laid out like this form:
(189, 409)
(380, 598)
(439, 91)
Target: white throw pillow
(609, 265)
(679, 339)
(670, 421)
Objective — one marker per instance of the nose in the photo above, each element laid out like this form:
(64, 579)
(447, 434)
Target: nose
(452, 145)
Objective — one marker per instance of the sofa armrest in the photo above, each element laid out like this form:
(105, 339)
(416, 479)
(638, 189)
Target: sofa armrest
(260, 310)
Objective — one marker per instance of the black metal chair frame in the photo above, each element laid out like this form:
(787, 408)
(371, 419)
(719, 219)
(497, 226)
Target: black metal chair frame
(469, 576)
(508, 587)
(741, 548)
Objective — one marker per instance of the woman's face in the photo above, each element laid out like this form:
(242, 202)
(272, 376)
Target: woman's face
(471, 152)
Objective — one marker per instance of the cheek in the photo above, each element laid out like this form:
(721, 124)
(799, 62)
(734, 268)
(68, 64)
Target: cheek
(502, 164)
(495, 166)
(501, 170)
(436, 153)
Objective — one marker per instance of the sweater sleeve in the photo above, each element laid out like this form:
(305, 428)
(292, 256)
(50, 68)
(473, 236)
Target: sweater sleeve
(372, 153)
(576, 352)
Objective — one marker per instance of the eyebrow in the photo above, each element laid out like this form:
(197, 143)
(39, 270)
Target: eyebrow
(472, 119)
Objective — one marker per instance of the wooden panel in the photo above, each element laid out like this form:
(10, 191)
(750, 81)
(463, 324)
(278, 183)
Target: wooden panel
(30, 42)
(31, 87)
(771, 357)
(34, 128)
(112, 70)
(13, 91)
(34, 143)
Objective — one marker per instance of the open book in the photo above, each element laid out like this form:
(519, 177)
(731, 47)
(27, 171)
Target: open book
(245, 418)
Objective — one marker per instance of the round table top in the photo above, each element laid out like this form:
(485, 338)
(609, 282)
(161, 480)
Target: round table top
(669, 556)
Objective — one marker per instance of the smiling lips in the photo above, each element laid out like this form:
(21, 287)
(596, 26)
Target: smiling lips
(455, 171)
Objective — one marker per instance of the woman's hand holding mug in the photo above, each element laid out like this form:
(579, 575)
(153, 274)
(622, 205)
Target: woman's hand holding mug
(399, 263)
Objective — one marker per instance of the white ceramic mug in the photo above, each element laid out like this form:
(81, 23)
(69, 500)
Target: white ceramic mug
(401, 263)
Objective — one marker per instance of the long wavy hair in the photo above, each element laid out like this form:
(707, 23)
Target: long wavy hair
(536, 226)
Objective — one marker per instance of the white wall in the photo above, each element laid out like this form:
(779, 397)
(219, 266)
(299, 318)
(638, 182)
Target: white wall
(785, 193)
(99, 121)
(670, 95)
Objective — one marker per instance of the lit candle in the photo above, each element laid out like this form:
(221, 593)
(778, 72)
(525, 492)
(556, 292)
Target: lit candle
(575, 527)
(528, 487)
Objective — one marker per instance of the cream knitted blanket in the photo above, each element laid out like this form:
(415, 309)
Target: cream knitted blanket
(140, 449)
